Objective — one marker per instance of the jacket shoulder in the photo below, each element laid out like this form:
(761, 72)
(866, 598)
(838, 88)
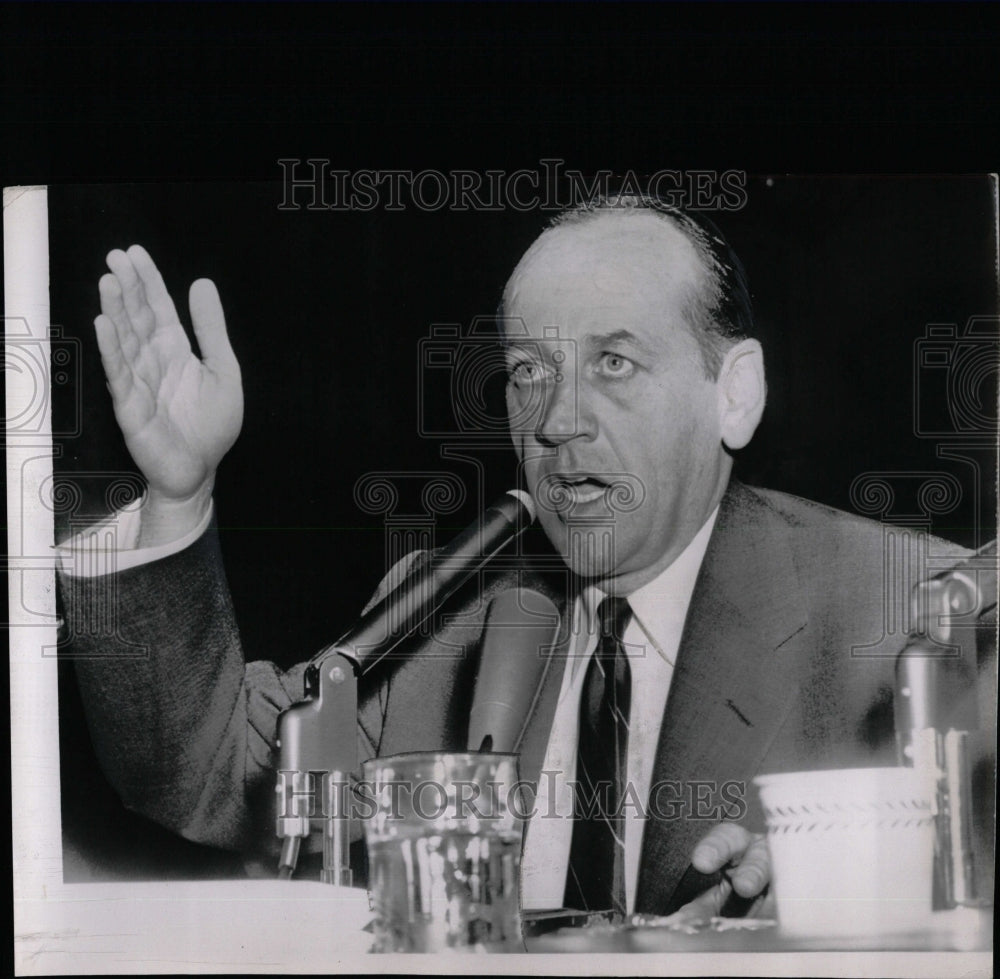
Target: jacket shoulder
(810, 517)
(854, 573)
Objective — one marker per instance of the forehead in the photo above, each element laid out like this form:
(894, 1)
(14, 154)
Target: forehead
(635, 267)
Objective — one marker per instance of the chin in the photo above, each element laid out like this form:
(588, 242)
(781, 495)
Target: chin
(587, 551)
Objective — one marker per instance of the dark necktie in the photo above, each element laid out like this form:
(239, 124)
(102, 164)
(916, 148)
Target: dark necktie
(595, 878)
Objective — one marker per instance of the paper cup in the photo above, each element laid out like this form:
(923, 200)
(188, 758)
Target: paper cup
(852, 850)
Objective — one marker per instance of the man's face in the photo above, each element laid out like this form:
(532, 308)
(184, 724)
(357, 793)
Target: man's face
(617, 397)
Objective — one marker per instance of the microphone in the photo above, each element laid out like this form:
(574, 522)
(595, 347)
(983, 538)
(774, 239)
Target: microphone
(317, 736)
(520, 626)
(935, 708)
(935, 672)
(392, 619)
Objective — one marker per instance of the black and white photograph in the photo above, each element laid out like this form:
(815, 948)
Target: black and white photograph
(751, 443)
(415, 564)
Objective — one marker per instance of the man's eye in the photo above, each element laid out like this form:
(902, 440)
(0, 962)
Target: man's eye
(615, 365)
(524, 372)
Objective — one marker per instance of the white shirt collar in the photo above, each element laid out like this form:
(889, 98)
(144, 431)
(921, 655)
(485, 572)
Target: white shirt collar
(659, 604)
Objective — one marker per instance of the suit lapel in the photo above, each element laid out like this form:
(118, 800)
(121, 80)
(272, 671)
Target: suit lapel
(730, 690)
(534, 738)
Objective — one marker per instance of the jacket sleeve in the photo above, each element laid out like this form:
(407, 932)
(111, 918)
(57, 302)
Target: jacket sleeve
(182, 727)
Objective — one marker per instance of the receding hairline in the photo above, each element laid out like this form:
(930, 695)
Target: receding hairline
(716, 298)
(704, 262)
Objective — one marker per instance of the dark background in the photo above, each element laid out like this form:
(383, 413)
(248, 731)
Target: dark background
(131, 91)
(326, 312)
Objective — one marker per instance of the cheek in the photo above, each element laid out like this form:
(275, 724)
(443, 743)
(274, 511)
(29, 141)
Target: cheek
(511, 409)
(530, 455)
(665, 461)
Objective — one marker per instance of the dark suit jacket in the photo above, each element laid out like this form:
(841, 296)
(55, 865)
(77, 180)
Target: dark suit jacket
(785, 663)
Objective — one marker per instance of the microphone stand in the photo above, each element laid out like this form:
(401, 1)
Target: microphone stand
(930, 733)
(317, 738)
(317, 750)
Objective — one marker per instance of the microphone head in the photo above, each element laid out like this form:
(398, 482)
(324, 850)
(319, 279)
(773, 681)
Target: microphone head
(526, 501)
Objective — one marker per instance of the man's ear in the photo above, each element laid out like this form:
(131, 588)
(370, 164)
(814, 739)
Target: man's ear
(742, 391)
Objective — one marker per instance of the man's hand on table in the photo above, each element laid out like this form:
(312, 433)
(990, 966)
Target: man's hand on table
(743, 859)
(179, 414)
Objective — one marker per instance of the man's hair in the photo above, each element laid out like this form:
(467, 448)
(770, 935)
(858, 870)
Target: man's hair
(719, 314)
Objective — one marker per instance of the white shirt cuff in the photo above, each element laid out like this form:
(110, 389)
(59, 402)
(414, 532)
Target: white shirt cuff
(109, 546)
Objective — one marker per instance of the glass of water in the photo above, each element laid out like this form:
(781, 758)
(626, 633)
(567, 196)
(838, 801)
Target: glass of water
(444, 848)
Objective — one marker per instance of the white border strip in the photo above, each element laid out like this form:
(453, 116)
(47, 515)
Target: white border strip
(34, 717)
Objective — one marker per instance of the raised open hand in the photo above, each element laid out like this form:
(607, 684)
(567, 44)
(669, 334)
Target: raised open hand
(179, 414)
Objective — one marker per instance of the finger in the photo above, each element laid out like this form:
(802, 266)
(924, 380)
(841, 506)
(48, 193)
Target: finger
(152, 282)
(710, 903)
(704, 907)
(112, 304)
(139, 311)
(720, 845)
(210, 326)
(115, 367)
(107, 343)
(752, 874)
(114, 309)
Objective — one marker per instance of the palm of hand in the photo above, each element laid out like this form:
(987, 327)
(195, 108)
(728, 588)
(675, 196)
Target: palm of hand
(177, 417)
(179, 414)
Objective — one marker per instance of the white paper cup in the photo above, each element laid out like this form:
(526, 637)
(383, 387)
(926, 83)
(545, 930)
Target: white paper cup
(852, 850)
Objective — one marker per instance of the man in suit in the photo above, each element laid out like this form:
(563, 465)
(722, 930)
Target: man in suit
(745, 623)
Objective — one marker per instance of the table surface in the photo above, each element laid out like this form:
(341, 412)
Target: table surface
(960, 930)
(298, 926)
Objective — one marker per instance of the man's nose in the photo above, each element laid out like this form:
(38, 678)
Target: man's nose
(563, 416)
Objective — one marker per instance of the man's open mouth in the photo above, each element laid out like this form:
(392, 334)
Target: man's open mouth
(577, 490)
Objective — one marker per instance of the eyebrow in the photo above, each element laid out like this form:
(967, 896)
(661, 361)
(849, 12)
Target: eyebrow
(615, 336)
(520, 345)
(592, 340)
